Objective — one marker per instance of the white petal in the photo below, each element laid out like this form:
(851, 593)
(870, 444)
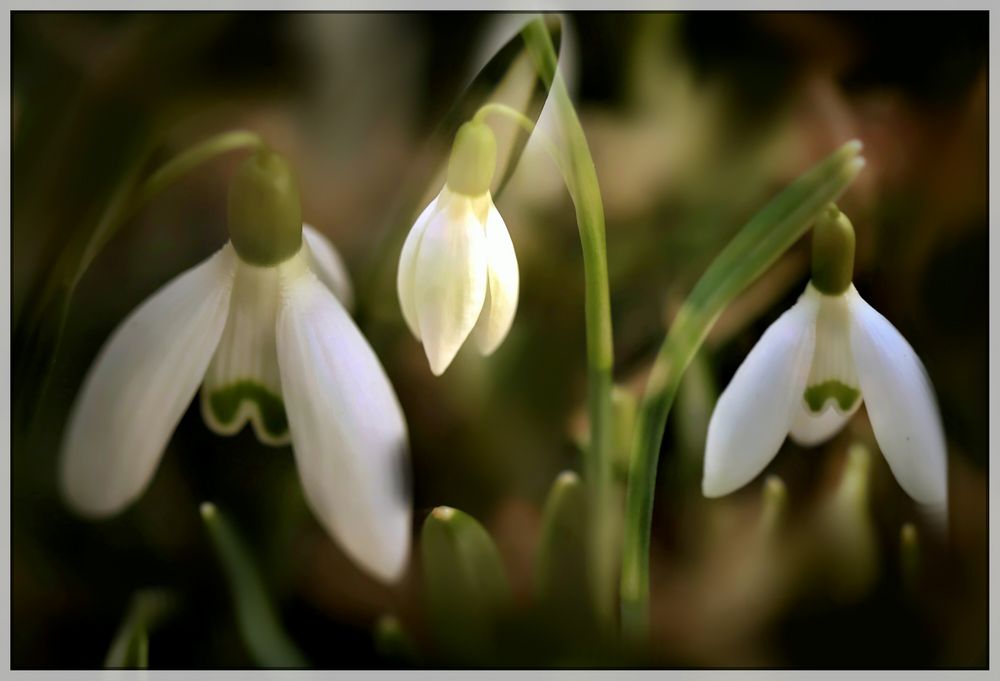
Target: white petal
(503, 283)
(243, 382)
(347, 427)
(810, 429)
(325, 261)
(140, 385)
(901, 405)
(753, 414)
(405, 280)
(450, 278)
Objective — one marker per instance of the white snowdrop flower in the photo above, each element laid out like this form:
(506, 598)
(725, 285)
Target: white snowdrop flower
(458, 272)
(810, 372)
(261, 327)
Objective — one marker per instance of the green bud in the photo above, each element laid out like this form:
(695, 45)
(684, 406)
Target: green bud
(775, 504)
(391, 640)
(473, 159)
(833, 252)
(465, 585)
(265, 213)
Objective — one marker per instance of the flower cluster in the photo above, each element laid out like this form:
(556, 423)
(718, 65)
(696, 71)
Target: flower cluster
(262, 329)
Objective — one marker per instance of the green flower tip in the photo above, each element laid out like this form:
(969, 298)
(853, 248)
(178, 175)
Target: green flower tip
(265, 212)
(833, 252)
(208, 511)
(567, 479)
(854, 481)
(443, 513)
(775, 491)
(473, 159)
(853, 147)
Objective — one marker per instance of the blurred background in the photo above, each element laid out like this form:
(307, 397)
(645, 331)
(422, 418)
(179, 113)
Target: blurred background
(695, 121)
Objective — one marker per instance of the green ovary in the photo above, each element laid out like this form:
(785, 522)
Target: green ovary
(818, 395)
(225, 405)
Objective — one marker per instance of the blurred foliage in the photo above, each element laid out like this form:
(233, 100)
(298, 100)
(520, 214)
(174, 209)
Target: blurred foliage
(694, 121)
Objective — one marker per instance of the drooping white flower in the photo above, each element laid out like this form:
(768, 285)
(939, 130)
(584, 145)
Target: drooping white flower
(810, 372)
(458, 272)
(269, 344)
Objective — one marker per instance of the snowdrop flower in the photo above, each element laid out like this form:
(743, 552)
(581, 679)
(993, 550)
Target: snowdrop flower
(458, 271)
(811, 370)
(258, 327)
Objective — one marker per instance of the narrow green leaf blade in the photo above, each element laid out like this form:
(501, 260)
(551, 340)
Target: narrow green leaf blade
(258, 621)
(130, 648)
(755, 248)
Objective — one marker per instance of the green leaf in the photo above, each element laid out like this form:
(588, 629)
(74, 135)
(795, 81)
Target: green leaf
(580, 175)
(466, 589)
(696, 399)
(130, 648)
(258, 622)
(847, 538)
(561, 583)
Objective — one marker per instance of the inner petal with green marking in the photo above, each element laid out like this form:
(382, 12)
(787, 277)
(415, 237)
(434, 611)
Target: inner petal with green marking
(245, 401)
(832, 376)
(243, 383)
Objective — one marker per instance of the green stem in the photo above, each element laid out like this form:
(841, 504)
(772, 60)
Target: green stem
(45, 319)
(174, 169)
(580, 176)
(761, 241)
(528, 126)
(510, 112)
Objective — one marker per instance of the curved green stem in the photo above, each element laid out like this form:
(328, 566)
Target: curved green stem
(528, 126)
(761, 241)
(580, 175)
(40, 333)
(189, 159)
(163, 177)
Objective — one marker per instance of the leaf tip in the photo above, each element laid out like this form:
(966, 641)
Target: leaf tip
(443, 513)
(208, 511)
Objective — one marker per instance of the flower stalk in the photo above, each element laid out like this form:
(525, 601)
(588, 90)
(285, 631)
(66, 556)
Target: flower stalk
(758, 244)
(44, 324)
(576, 166)
(580, 176)
(164, 176)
